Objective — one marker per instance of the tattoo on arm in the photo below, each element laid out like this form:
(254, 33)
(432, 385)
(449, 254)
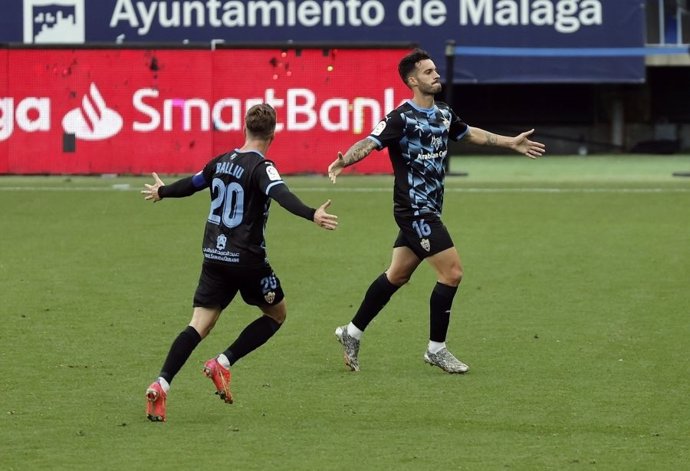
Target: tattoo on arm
(491, 139)
(358, 151)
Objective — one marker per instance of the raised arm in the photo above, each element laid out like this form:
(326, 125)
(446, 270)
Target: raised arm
(520, 143)
(354, 154)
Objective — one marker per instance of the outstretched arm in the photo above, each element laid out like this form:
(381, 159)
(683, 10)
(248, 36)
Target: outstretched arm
(150, 192)
(520, 143)
(183, 187)
(323, 219)
(357, 152)
(292, 203)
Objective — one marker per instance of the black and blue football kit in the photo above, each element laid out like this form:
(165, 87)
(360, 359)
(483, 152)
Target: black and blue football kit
(417, 142)
(241, 186)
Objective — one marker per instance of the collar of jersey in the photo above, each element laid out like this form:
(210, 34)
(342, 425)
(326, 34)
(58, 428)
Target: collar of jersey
(237, 151)
(428, 111)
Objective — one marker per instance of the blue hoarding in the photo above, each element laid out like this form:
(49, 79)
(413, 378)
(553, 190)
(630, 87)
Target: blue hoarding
(549, 25)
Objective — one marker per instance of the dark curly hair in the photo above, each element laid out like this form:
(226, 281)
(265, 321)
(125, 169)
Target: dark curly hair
(409, 62)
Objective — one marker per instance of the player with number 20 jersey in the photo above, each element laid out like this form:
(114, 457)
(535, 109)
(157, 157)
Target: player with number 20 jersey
(242, 184)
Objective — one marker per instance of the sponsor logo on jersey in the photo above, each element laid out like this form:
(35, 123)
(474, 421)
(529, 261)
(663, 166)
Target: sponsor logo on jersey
(54, 21)
(379, 128)
(426, 245)
(272, 173)
(93, 121)
(431, 155)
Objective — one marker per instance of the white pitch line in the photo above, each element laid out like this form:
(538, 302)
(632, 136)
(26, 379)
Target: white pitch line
(60, 188)
(381, 190)
(569, 190)
(512, 190)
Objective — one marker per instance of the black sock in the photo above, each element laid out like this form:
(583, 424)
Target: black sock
(180, 350)
(378, 295)
(439, 311)
(252, 337)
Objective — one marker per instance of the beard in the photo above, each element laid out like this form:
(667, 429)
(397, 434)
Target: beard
(430, 89)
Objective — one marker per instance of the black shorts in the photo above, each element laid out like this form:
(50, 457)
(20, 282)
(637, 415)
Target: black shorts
(218, 285)
(425, 235)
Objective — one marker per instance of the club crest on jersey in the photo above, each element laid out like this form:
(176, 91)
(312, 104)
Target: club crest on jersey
(426, 245)
(221, 241)
(379, 128)
(270, 297)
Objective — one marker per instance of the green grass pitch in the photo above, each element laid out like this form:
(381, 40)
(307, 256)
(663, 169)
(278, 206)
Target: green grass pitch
(574, 315)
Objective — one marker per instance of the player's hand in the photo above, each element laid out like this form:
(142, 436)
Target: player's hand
(531, 149)
(150, 192)
(325, 220)
(336, 167)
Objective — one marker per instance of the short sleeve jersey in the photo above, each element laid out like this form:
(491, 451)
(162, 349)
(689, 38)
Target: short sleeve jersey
(417, 142)
(239, 183)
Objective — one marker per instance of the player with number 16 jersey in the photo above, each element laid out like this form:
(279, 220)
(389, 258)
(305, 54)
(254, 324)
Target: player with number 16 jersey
(417, 142)
(416, 134)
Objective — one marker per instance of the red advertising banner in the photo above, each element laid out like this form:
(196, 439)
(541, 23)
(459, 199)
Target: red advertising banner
(89, 111)
(4, 113)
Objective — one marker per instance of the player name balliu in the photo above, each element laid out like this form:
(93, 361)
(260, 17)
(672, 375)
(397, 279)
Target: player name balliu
(229, 168)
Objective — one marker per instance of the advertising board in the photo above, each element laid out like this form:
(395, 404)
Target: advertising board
(135, 111)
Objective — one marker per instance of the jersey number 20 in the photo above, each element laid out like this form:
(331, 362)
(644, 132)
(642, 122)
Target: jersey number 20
(227, 206)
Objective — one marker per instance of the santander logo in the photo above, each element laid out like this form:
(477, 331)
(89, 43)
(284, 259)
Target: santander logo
(93, 121)
(300, 108)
